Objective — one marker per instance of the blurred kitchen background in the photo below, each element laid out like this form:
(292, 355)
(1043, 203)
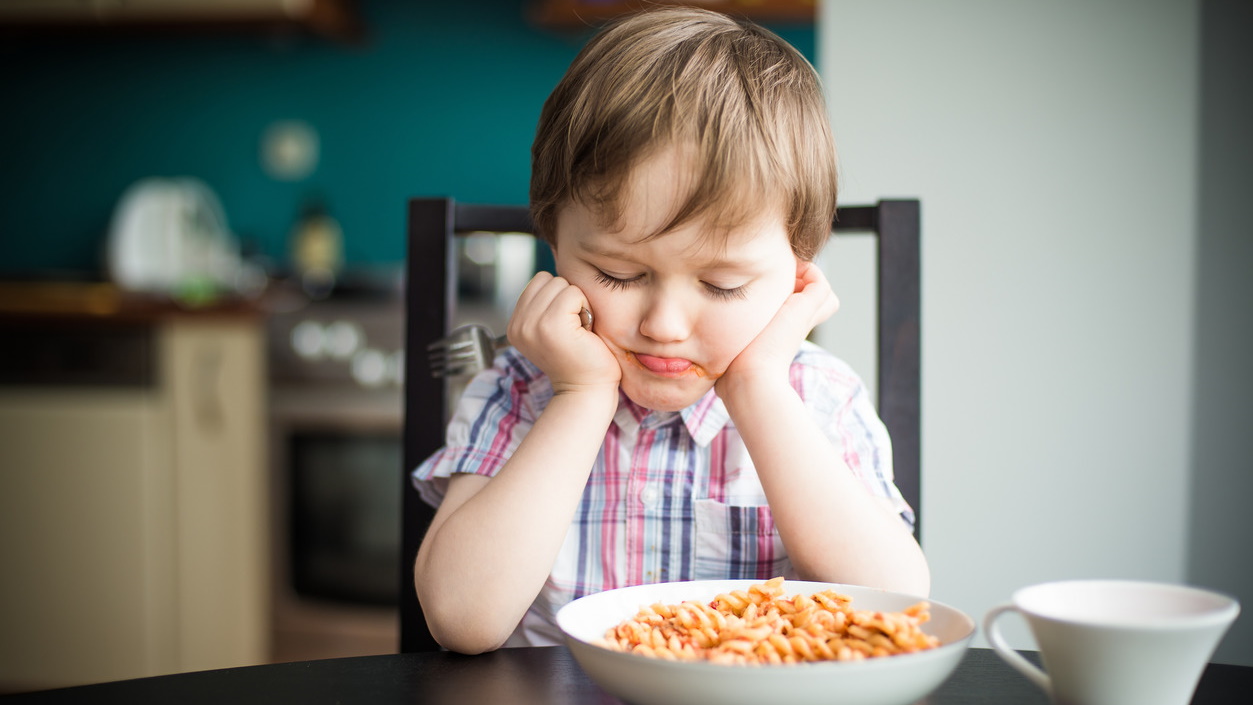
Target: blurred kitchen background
(202, 236)
(200, 302)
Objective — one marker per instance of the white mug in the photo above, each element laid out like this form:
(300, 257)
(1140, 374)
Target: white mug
(1116, 642)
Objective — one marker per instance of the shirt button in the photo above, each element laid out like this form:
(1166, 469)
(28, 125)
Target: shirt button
(649, 496)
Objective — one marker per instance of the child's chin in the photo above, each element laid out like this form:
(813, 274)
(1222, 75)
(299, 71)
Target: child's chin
(665, 396)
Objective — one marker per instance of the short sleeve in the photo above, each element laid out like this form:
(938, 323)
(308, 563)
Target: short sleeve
(841, 404)
(493, 415)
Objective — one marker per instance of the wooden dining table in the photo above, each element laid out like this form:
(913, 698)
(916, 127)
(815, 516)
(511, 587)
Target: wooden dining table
(538, 675)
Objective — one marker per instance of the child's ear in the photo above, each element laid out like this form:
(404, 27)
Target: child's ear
(800, 275)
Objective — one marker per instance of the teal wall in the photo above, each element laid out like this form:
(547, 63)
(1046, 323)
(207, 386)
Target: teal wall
(441, 100)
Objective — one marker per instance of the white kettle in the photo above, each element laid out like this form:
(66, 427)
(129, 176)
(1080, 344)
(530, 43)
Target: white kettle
(169, 232)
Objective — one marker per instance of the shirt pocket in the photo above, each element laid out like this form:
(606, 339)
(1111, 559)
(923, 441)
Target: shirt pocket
(737, 543)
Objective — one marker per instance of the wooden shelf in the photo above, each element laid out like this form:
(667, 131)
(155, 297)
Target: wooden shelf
(337, 20)
(581, 14)
(104, 302)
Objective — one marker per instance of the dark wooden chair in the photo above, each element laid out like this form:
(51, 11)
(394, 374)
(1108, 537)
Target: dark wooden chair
(432, 279)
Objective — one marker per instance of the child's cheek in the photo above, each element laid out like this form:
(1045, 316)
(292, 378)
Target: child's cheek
(753, 322)
(738, 332)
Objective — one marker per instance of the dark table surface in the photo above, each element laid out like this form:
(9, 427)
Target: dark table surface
(532, 675)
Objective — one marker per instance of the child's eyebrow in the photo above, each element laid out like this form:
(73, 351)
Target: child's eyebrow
(592, 248)
(712, 263)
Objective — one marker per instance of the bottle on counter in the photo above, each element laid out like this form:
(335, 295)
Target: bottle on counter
(317, 248)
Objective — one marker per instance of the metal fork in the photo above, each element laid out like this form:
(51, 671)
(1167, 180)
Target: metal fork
(465, 350)
(471, 348)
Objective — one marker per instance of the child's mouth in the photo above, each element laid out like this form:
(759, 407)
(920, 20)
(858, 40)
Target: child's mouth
(666, 366)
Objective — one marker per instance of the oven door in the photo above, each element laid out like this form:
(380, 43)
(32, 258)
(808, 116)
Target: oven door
(336, 522)
(344, 520)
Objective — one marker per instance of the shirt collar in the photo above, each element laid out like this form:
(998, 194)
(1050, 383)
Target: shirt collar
(703, 420)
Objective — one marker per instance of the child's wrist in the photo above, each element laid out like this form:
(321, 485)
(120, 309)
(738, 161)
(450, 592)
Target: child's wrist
(752, 391)
(587, 398)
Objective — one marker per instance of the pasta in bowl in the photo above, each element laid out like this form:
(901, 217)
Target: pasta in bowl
(747, 641)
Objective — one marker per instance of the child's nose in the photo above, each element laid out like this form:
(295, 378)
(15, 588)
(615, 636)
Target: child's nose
(666, 320)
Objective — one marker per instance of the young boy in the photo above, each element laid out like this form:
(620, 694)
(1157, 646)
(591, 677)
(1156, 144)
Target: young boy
(684, 175)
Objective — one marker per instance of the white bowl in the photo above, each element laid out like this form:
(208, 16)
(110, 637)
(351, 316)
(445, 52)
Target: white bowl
(644, 680)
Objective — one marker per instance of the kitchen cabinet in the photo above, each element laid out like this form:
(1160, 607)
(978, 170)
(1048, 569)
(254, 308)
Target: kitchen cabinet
(133, 497)
(333, 19)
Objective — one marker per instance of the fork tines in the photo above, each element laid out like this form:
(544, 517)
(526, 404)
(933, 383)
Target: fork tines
(456, 363)
(455, 359)
(464, 351)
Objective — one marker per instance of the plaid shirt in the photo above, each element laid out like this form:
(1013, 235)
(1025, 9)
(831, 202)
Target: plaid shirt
(673, 495)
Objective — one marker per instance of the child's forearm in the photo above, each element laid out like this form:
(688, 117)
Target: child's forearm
(483, 561)
(834, 529)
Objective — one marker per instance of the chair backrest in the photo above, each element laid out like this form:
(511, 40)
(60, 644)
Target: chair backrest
(432, 281)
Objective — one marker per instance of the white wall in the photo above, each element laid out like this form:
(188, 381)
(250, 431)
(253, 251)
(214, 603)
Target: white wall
(1054, 148)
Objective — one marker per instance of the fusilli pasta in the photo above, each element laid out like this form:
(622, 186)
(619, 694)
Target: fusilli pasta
(762, 626)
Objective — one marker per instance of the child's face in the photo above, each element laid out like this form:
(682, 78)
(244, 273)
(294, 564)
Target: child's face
(677, 309)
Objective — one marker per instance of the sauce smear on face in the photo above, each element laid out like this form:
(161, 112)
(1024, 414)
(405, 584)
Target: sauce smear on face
(664, 365)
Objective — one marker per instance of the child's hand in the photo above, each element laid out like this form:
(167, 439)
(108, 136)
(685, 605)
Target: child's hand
(769, 356)
(547, 328)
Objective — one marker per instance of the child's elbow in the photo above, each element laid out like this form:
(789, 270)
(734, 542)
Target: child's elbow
(462, 627)
(913, 576)
(467, 640)
(917, 584)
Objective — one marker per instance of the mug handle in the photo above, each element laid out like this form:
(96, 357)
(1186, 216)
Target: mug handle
(1013, 658)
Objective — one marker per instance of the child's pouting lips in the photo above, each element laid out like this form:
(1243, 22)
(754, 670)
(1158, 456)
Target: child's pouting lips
(667, 366)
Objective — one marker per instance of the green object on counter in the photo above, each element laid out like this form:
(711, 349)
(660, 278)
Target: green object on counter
(197, 292)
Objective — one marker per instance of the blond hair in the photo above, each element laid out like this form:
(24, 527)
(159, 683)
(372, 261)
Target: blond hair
(745, 107)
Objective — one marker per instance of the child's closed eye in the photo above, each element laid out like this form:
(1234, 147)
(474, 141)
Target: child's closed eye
(718, 292)
(616, 283)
